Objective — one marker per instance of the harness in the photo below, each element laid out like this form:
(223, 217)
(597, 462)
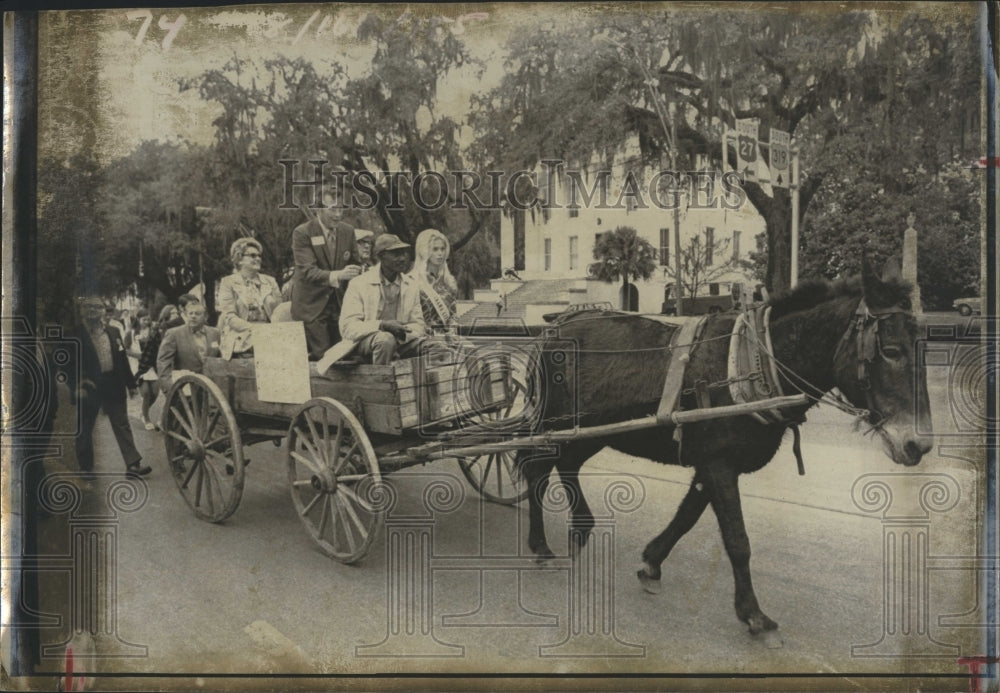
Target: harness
(864, 330)
(753, 372)
(681, 342)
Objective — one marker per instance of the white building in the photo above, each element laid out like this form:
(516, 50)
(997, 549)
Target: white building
(553, 242)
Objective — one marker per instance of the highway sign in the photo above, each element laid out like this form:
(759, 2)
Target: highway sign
(746, 148)
(781, 143)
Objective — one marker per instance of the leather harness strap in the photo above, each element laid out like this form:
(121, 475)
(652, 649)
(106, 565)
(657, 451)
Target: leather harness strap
(680, 350)
(753, 373)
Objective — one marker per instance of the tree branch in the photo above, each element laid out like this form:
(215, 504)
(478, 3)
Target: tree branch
(775, 67)
(808, 190)
(474, 228)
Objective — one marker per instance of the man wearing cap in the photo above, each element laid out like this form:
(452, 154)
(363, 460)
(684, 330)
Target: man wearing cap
(99, 382)
(323, 249)
(382, 314)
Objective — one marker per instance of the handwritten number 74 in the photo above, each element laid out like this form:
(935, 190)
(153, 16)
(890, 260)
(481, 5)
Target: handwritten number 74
(171, 27)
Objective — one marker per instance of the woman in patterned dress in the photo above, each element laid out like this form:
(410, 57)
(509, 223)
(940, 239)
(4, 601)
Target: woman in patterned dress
(245, 297)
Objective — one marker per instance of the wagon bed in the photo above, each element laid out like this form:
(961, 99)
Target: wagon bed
(391, 399)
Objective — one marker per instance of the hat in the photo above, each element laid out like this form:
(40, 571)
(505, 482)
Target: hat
(363, 235)
(388, 241)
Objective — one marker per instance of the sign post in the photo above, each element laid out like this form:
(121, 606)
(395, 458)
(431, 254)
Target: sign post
(794, 278)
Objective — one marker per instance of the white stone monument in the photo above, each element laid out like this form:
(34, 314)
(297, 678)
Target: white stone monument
(909, 270)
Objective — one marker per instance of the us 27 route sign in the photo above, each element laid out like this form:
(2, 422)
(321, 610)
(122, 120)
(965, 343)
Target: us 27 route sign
(746, 148)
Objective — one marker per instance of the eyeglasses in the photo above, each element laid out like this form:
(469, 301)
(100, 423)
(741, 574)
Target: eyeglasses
(251, 254)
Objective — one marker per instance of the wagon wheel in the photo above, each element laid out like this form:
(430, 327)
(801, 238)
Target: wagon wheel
(332, 473)
(495, 475)
(204, 449)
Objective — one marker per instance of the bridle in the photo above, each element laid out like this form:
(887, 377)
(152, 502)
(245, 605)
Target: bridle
(863, 329)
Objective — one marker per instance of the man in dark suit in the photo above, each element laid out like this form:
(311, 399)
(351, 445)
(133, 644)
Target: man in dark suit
(325, 262)
(187, 346)
(100, 382)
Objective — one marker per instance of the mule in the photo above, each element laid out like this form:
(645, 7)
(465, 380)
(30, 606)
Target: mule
(617, 372)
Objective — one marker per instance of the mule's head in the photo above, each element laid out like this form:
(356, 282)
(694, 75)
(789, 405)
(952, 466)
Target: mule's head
(876, 366)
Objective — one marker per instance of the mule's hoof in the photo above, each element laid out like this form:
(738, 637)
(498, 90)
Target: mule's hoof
(578, 539)
(772, 639)
(650, 585)
(544, 556)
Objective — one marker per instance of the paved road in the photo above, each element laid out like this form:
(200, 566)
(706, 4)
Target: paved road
(255, 595)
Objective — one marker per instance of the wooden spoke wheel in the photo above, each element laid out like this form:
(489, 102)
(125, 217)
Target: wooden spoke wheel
(495, 475)
(334, 477)
(204, 449)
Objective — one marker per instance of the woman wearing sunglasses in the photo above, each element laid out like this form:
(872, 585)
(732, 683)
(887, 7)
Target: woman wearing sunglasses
(246, 296)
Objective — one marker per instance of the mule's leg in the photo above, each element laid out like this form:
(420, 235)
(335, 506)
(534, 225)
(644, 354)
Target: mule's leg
(536, 470)
(581, 517)
(658, 549)
(724, 494)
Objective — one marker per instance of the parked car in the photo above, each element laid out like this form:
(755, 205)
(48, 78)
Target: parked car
(968, 306)
(722, 297)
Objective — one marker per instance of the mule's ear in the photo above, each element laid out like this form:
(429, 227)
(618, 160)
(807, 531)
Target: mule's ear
(893, 269)
(870, 283)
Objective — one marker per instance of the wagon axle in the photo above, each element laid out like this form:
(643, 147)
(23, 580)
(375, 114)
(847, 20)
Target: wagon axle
(195, 450)
(325, 482)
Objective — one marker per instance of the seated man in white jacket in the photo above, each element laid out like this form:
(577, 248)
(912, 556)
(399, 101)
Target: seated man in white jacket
(381, 312)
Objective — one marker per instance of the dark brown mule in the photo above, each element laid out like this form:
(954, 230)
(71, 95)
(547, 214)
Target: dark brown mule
(616, 373)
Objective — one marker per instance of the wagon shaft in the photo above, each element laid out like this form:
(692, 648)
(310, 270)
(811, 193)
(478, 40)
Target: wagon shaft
(461, 445)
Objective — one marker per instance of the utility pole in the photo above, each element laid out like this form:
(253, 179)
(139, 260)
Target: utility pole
(669, 131)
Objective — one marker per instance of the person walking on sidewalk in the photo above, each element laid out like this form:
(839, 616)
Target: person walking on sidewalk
(99, 382)
(146, 378)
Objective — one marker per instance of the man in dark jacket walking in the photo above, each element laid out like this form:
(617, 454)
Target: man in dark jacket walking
(99, 383)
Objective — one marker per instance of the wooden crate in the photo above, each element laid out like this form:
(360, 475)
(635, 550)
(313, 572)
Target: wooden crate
(393, 398)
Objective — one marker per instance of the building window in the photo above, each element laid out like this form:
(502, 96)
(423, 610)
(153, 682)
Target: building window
(664, 247)
(736, 246)
(574, 248)
(574, 212)
(709, 243)
(548, 254)
(713, 289)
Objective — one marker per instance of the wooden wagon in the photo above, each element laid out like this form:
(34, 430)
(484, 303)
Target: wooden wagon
(363, 421)
(359, 423)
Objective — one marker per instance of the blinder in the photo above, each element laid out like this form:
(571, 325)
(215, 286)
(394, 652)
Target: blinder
(864, 329)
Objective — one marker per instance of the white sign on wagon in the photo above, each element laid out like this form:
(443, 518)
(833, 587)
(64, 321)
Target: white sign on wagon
(281, 361)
